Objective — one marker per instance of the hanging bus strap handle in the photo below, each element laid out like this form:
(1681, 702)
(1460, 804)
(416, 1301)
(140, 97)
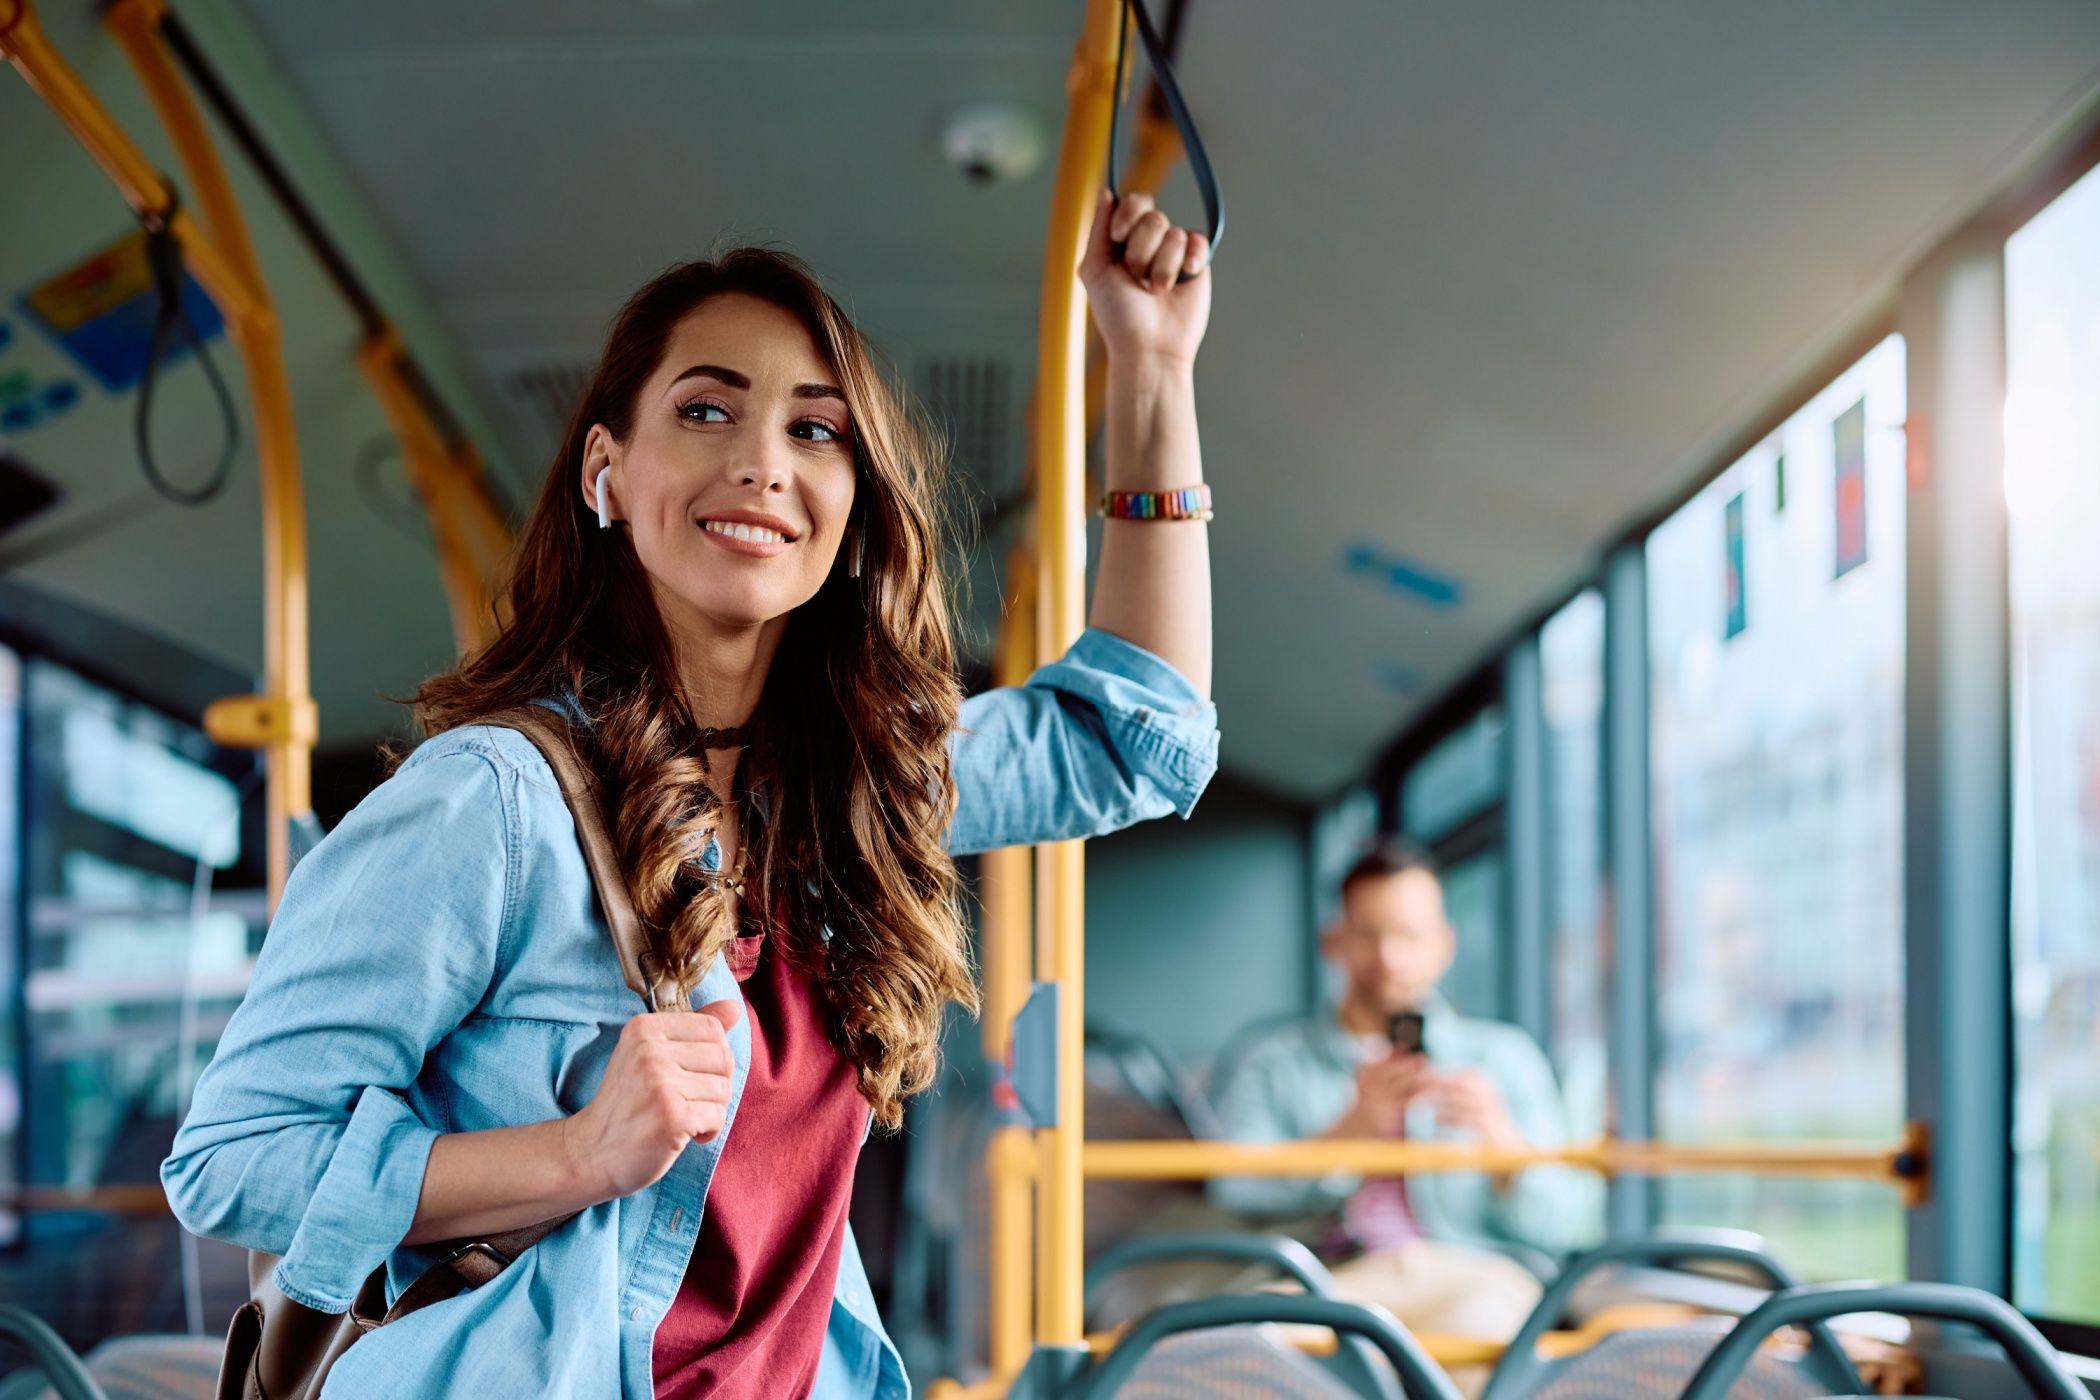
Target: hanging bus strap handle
(1170, 92)
(164, 262)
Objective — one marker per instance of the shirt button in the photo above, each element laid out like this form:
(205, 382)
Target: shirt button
(677, 1218)
(635, 1315)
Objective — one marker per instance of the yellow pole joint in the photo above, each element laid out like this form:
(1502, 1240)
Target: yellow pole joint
(259, 721)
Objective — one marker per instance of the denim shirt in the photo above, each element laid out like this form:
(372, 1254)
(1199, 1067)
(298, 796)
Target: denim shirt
(438, 965)
(1293, 1081)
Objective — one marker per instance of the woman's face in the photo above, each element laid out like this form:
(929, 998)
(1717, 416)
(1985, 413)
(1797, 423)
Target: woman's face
(737, 479)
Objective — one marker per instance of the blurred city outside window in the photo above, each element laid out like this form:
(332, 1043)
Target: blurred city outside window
(1776, 657)
(128, 823)
(1571, 656)
(2052, 483)
(10, 935)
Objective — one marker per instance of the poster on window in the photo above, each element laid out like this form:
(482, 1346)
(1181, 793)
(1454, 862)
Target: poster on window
(1732, 522)
(1849, 436)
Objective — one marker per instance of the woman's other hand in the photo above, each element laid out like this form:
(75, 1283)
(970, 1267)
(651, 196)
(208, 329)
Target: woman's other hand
(1141, 307)
(666, 1086)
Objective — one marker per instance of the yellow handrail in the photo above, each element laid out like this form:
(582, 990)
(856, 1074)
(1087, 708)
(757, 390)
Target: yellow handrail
(1906, 1164)
(1060, 428)
(1006, 885)
(282, 721)
(472, 538)
(1006, 876)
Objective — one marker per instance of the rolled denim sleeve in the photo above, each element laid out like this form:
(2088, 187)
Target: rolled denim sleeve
(299, 1140)
(1105, 736)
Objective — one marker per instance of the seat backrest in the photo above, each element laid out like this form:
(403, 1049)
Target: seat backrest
(1242, 1362)
(1524, 1372)
(1658, 1363)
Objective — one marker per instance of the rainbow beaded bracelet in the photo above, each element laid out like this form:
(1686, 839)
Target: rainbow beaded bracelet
(1188, 503)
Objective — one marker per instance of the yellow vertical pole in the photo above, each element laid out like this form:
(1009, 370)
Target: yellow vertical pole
(1005, 881)
(1060, 438)
(282, 721)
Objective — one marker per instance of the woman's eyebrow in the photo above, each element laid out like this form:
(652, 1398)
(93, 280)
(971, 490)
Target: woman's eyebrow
(738, 381)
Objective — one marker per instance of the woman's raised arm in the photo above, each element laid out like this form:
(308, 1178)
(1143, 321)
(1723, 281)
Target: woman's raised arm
(1153, 584)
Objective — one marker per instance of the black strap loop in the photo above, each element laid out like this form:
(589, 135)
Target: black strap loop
(164, 262)
(1170, 93)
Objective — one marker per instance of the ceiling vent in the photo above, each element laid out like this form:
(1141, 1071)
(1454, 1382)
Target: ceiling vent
(971, 398)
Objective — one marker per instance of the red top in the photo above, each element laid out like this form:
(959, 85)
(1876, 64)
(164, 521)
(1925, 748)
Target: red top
(750, 1314)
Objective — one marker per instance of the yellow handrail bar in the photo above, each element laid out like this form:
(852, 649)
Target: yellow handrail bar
(1906, 1164)
(1005, 882)
(282, 721)
(1059, 429)
(472, 538)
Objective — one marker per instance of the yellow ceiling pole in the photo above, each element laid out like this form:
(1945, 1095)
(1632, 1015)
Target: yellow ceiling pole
(281, 721)
(1060, 456)
(23, 41)
(472, 539)
(1004, 883)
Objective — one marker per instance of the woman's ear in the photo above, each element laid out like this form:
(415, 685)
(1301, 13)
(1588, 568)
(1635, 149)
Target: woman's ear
(600, 449)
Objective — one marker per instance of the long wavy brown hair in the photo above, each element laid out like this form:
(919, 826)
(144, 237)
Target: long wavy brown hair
(849, 758)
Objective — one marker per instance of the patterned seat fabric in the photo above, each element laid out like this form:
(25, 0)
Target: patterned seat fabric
(1657, 1364)
(139, 1368)
(1231, 1363)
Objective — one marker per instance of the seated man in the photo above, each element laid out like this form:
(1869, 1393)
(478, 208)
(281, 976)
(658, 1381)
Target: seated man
(1413, 1245)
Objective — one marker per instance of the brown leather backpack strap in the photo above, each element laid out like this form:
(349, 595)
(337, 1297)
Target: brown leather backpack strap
(551, 735)
(469, 1266)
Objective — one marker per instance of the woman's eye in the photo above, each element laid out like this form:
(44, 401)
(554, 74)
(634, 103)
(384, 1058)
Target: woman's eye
(698, 407)
(818, 425)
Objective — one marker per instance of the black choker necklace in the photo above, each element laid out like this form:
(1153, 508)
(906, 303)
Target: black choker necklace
(735, 737)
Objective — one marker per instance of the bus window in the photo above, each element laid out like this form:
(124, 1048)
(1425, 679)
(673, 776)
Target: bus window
(2052, 469)
(1776, 654)
(1571, 660)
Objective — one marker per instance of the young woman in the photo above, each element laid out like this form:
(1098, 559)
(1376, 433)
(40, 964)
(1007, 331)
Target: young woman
(732, 588)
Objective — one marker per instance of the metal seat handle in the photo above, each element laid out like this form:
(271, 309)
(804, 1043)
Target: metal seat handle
(1945, 1302)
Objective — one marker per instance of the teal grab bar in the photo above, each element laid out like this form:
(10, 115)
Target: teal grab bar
(1286, 1256)
(1419, 1375)
(1520, 1365)
(1944, 1302)
(1356, 1363)
(50, 1353)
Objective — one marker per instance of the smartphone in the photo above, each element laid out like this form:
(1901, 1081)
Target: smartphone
(1405, 1031)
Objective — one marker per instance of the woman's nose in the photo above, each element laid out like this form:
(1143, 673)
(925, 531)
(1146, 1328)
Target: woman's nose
(767, 469)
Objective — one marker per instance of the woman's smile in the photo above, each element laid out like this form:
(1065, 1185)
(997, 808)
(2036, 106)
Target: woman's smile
(748, 533)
